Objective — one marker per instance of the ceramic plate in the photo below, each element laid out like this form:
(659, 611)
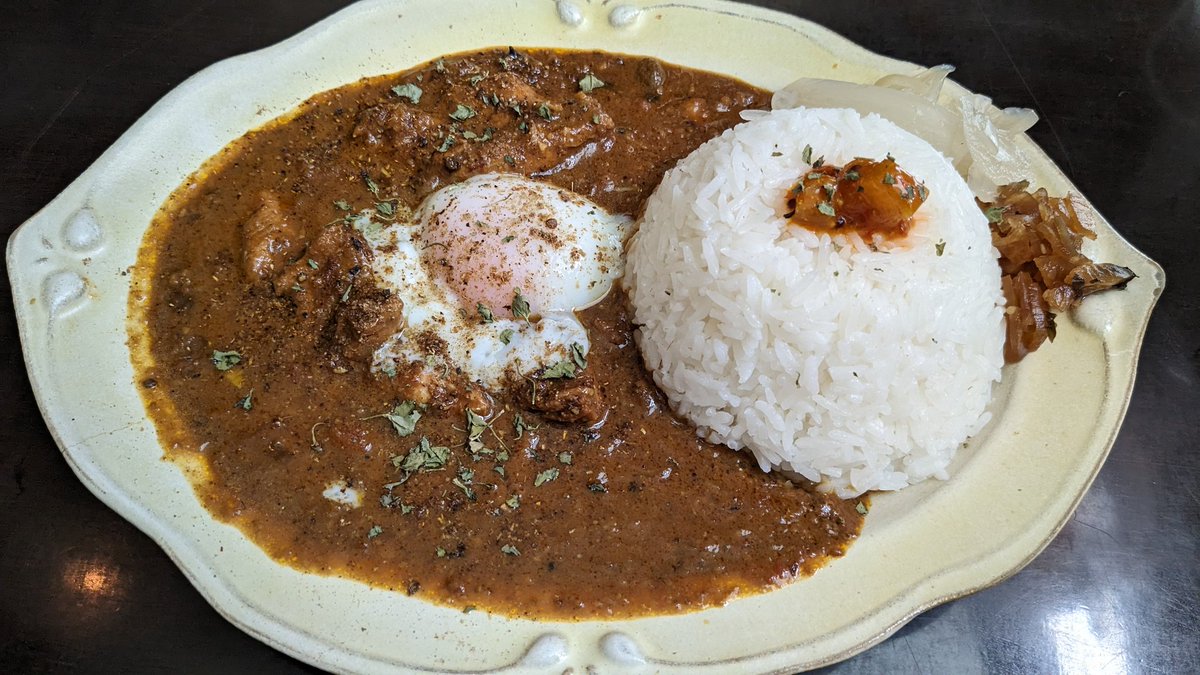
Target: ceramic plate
(1056, 414)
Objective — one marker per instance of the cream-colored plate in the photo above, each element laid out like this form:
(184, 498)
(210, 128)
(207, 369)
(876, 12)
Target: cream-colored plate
(1056, 414)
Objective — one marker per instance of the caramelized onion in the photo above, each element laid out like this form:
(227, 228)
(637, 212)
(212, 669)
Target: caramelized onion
(1043, 268)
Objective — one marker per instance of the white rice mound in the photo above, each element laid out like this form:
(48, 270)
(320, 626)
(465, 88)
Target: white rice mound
(859, 369)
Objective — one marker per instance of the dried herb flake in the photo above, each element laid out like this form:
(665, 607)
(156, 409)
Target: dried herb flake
(558, 371)
(246, 402)
(462, 112)
(225, 360)
(578, 355)
(409, 91)
(590, 83)
(520, 306)
(484, 312)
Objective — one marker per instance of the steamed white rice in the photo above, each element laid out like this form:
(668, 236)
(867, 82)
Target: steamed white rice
(860, 369)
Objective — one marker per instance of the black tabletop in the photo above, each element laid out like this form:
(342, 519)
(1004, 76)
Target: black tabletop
(1117, 85)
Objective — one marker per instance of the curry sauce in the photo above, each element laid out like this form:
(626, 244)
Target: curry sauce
(575, 497)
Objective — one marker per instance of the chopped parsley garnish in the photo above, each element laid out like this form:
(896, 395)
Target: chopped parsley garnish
(246, 402)
(440, 65)
(806, 155)
(578, 355)
(513, 502)
(941, 247)
(565, 457)
(476, 79)
(827, 209)
(596, 486)
(386, 209)
(341, 205)
(441, 552)
(852, 175)
(590, 83)
(545, 477)
(403, 416)
(508, 159)
(375, 531)
(508, 238)
(560, 370)
(889, 179)
(476, 425)
(463, 482)
(861, 508)
(447, 143)
(520, 426)
(506, 335)
(995, 214)
(372, 186)
(472, 136)
(595, 119)
(424, 457)
(313, 263)
(520, 306)
(544, 112)
(462, 112)
(409, 91)
(509, 549)
(485, 313)
(225, 360)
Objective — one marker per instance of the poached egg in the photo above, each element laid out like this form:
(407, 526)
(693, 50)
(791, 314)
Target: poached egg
(491, 271)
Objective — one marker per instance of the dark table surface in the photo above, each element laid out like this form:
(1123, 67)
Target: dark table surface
(1117, 85)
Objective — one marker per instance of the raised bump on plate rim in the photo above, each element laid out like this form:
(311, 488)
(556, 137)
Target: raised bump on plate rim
(60, 290)
(623, 16)
(569, 12)
(621, 648)
(548, 650)
(82, 231)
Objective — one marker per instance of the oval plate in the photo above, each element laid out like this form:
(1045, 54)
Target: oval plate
(1056, 415)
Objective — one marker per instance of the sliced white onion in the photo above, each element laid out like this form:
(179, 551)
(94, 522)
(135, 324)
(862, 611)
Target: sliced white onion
(977, 137)
(990, 134)
(927, 83)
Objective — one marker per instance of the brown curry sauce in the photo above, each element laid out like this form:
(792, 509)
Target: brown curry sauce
(619, 510)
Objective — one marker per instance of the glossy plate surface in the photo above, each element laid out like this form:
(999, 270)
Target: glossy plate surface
(1056, 414)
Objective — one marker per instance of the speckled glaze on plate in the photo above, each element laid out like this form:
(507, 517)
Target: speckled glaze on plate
(1056, 414)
